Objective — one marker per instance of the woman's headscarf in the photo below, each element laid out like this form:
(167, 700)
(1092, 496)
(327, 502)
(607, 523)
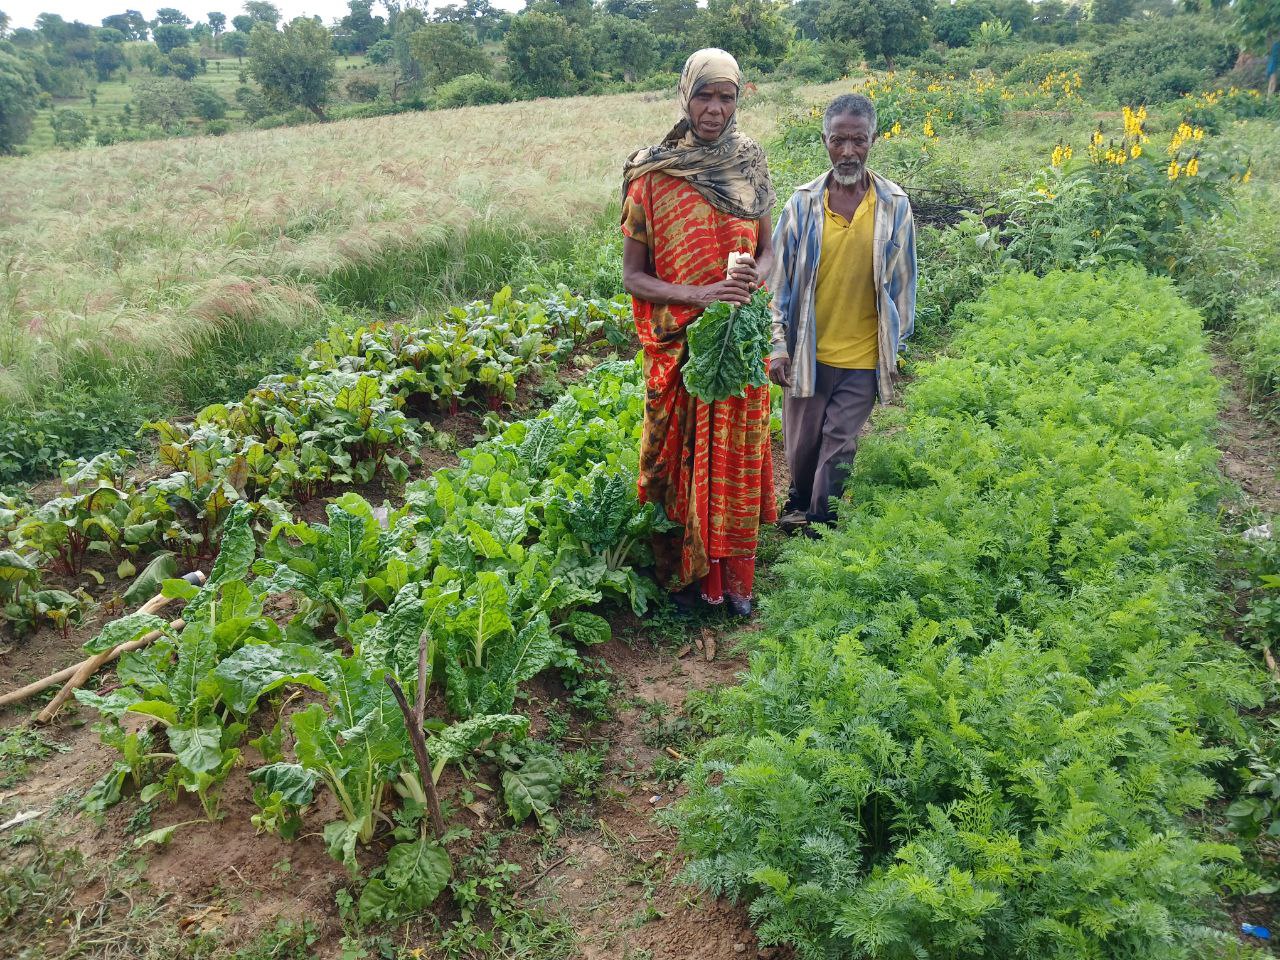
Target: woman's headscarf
(730, 171)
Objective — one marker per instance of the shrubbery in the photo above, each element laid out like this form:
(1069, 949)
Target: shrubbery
(472, 90)
(982, 706)
(1161, 59)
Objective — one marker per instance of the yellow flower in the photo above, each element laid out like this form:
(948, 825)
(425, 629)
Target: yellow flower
(1174, 169)
(1136, 152)
(1193, 166)
(896, 128)
(1248, 175)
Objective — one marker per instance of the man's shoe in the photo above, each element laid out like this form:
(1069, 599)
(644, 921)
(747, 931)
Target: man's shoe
(739, 606)
(793, 520)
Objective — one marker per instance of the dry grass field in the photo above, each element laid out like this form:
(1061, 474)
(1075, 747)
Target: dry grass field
(133, 251)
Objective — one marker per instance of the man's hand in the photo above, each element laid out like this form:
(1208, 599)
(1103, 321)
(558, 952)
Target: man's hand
(780, 371)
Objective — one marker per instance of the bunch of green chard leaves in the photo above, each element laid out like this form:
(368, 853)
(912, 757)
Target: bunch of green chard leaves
(727, 347)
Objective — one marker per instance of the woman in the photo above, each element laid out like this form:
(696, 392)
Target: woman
(690, 201)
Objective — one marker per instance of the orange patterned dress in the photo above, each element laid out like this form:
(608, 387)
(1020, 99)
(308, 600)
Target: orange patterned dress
(709, 465)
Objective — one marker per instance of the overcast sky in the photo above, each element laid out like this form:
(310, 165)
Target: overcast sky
(23, 13)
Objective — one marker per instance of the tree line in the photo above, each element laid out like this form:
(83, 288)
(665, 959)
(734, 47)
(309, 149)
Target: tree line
(474, 52)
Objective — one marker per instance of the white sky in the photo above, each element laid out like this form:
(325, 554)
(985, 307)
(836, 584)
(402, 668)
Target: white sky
(23, 13)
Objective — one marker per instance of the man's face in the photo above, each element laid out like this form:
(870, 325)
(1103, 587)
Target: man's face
(711, 108)
(848, 140)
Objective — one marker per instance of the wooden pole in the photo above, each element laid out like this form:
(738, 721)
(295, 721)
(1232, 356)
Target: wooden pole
(419, 744)
(154, 605)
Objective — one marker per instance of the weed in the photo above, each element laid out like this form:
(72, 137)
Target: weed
(18, 747)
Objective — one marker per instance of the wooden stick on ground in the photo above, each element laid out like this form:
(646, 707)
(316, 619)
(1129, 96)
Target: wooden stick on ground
(92, 665)
(31, 689)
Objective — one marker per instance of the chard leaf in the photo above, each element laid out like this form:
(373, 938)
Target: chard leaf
(416, 873)
(295, 784)
(163, 566)
(589, 628)
(124, 630)
(199, 749)
(459, 739)
(235, 557)
(255, 670)
(533, 789)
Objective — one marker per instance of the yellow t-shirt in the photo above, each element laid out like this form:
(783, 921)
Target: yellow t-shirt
(845, 302)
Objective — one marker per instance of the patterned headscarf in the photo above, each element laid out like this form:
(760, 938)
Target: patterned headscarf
(730, 171)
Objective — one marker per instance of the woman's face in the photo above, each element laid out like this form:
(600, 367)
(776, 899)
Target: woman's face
(711, 108)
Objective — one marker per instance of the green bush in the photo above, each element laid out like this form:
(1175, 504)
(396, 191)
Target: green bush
(1034, 67)
(472, 90)
(1162, 58)
(209, 104)
(982, 707)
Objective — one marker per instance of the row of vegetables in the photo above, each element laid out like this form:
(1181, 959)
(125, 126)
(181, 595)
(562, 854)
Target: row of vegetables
(985, 716)
(478, 583)
(348, 414)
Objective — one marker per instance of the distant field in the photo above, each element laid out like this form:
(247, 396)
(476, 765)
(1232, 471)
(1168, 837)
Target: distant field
(136, 249)
(223, 75)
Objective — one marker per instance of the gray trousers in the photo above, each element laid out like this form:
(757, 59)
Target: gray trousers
(820, 436)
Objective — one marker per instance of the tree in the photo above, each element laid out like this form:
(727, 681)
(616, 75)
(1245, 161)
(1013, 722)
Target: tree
(165, 102)
(70, 128)
(1259, 23)
(243, 24)
(626, 48)
(108, 55)
(207, 103)
(1110, 11)
(754, 30)
(172, 15)
(408, 22)
(381, 53)
(631, 9)
(360, 28)
(260, 11)
(19, 100)
(131, 23)
(170, 36)
(803, 15)
(236, 43)
(955, 25)
(447, 50)
(672, 18)
(180, 63)
(546, 54)
(4, 23)
(883, 28)
(294, 66)
(217, 23)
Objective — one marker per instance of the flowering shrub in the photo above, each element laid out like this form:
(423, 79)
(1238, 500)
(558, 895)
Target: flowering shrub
(1211, 109)
(1122, 198)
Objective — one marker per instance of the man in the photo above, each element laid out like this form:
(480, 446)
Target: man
(844, 297)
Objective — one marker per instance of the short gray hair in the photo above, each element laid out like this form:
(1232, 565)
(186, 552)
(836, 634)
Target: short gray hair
(850, 105)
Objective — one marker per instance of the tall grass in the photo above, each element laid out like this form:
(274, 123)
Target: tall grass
(134, 256)
(159, 276)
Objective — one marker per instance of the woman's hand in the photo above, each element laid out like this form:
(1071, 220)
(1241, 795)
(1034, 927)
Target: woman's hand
(746, 270)
(733, 290)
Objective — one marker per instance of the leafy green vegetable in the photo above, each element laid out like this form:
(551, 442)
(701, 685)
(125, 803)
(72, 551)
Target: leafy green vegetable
(727, 347)
(533, 789)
